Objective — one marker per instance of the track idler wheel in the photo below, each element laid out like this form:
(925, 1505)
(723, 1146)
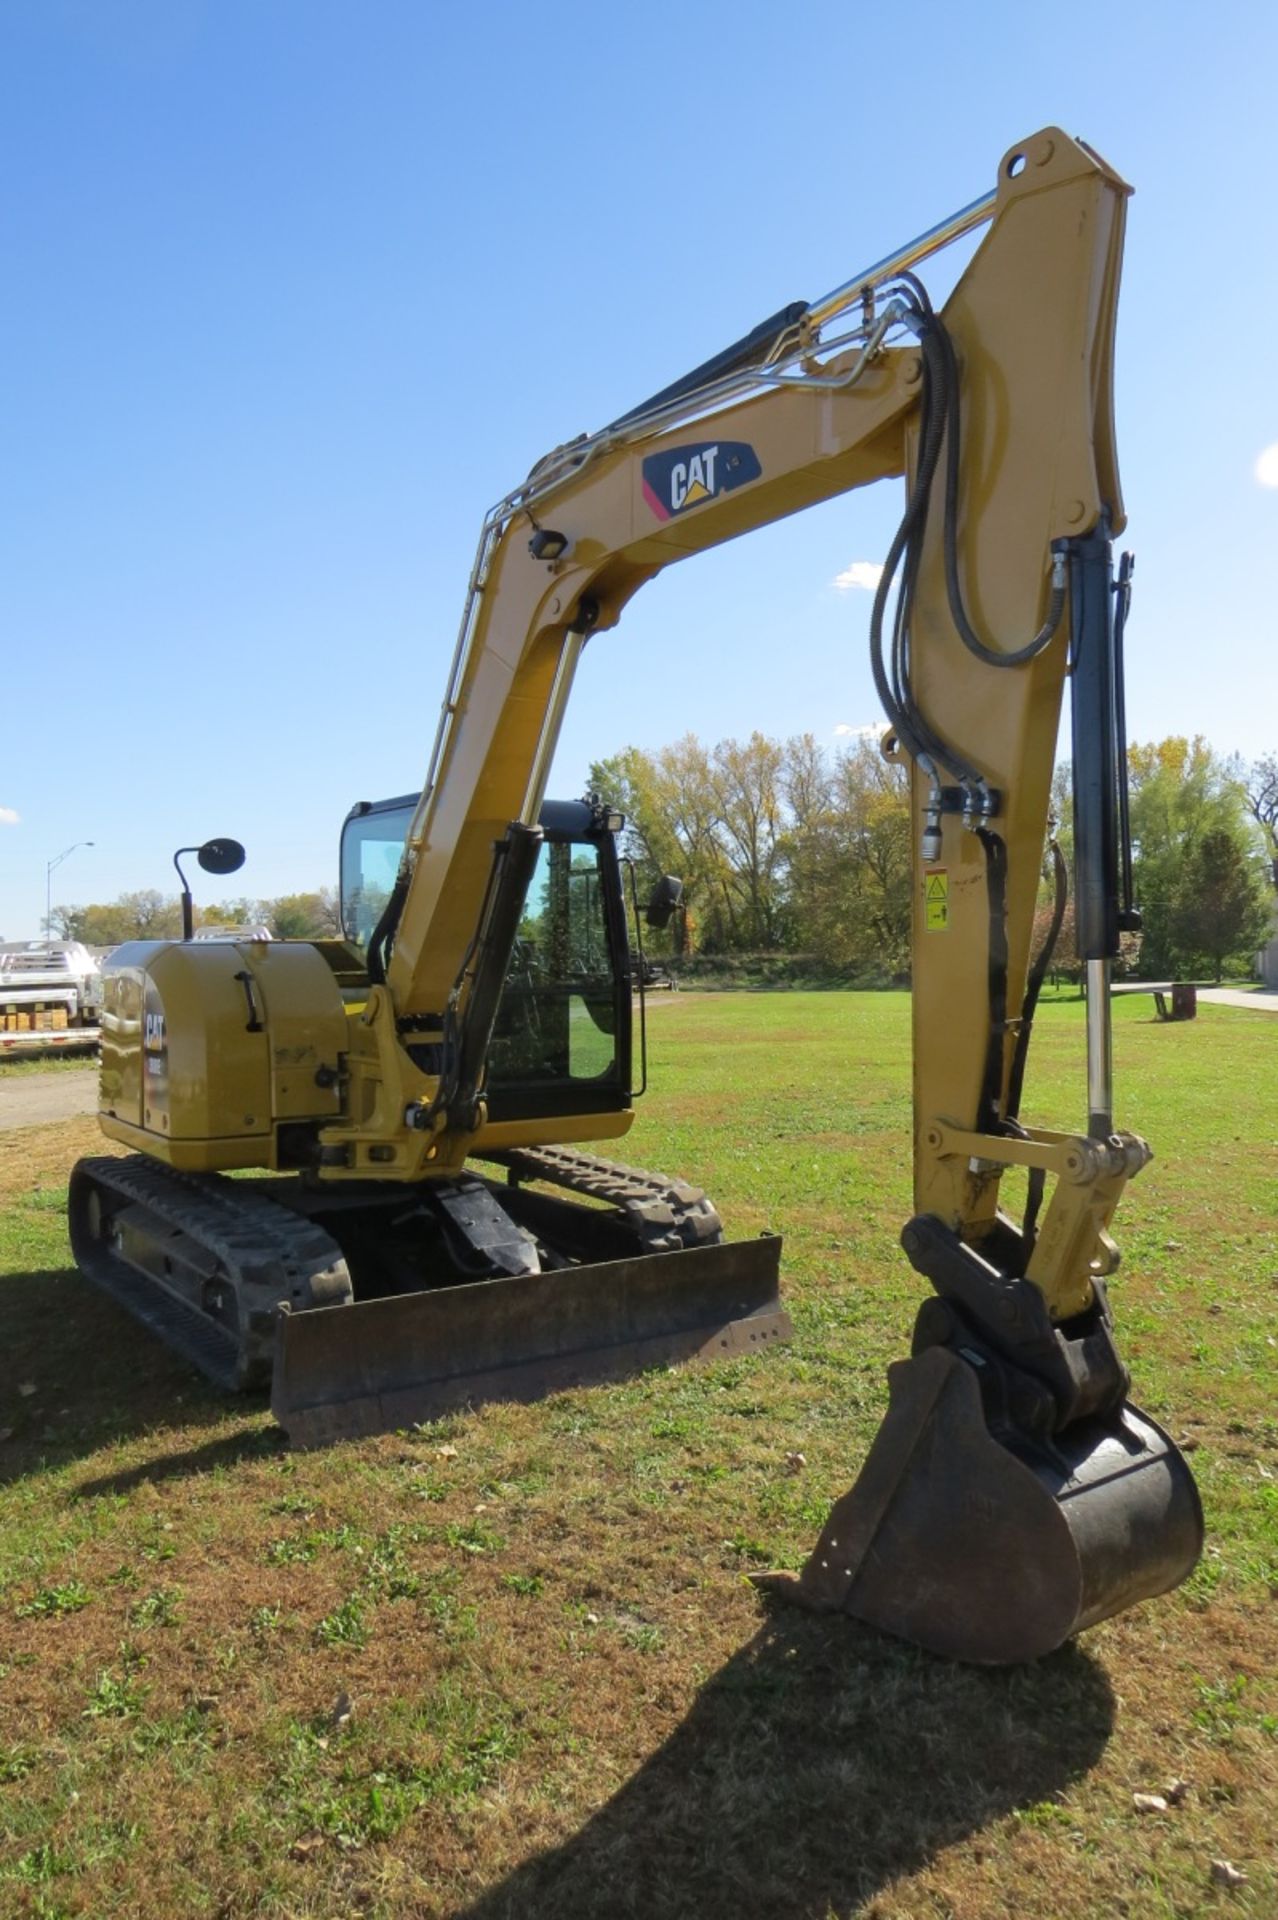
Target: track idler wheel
(996, 1548)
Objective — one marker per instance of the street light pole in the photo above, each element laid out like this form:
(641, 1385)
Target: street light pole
(48, 881)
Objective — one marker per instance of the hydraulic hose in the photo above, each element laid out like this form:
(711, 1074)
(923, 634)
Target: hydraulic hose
(923, 743)
(384, 932)
(992, 657)
(1034, 985)
(995, 847)
(1037, 1179)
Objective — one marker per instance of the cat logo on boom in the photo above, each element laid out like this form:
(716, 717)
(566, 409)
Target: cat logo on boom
(685, 477)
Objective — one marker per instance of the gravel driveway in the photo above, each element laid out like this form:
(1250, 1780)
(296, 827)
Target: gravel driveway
(30, 1099)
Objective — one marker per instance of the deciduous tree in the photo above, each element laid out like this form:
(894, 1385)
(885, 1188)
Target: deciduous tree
(302, 916)
(778, 845)
(1262, 803)
(1220, 909)
(1183, 794)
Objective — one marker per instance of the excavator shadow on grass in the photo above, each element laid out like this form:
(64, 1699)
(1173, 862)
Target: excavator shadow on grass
(823, 1762)
(76, 1379)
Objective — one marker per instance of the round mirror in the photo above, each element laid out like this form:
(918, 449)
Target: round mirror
(221, 856)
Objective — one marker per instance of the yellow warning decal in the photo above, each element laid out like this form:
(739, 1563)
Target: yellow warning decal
(936, 900)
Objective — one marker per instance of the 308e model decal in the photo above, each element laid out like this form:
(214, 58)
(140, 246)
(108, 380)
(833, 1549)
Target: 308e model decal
(684, 477)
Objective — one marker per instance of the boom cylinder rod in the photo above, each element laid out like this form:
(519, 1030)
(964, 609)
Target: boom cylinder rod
(1100, 1052)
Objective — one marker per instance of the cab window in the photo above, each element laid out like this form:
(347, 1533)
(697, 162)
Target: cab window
(558, 1010)
(371, 846)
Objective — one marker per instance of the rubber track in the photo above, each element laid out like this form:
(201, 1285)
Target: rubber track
(267, 1254)
(666, 1215)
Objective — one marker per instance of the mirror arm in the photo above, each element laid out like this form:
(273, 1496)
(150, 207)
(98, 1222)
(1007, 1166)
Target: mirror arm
(215, 856)
(188, 909)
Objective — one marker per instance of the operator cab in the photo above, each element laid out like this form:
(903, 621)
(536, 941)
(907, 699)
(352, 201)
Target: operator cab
(562, 1041)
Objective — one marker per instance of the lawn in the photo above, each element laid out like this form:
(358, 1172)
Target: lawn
(15, 1065)
(510, 1665)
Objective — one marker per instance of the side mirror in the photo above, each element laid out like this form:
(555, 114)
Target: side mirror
(666, 896)
(220, 856)
(215, 856)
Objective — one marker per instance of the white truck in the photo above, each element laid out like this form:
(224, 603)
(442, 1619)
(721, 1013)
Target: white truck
(50, 997)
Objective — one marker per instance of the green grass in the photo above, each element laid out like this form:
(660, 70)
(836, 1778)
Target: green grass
(12, 1065)
(510, 1663)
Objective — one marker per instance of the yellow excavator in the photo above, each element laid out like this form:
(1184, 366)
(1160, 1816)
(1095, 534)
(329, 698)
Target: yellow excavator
(433, 1091)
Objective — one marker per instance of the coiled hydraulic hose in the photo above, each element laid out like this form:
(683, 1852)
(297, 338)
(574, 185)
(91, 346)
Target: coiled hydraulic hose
(939, 433)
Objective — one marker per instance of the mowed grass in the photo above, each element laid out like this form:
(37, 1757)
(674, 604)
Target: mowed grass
(19, 1065)
(511, 1666)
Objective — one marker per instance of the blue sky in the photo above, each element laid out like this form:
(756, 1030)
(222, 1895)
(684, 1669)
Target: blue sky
(294, 291)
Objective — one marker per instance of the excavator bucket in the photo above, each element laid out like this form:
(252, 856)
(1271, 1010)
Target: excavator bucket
(381, 1364)
(988, 1545)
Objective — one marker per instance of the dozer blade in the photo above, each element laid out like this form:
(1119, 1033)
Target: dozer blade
(381, 1364)
(997, 1549)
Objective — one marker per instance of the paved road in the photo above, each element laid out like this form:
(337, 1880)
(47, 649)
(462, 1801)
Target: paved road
(1240, 997)
(31, 1099)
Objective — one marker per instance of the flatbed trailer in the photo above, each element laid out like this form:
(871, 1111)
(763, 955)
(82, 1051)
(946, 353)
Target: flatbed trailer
(50, 998)
(37, 1040)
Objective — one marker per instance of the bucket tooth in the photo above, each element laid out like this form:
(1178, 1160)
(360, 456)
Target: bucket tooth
(996, 1548)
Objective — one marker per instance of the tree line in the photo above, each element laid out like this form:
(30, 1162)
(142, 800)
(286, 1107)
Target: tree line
(151, 915)
(786, 848)
(781, 847)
